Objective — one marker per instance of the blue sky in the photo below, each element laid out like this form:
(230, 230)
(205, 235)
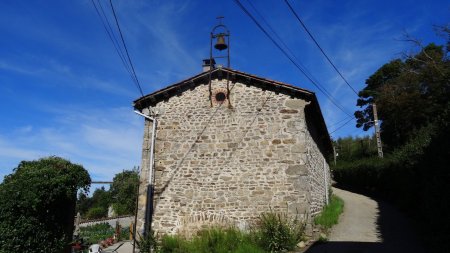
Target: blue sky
(64, 91)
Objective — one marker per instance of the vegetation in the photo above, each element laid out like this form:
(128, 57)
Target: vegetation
(273, 233)
(330, 214)
(121, 196)
(355, 148)
(212, 240)
(37, 205)
(123, 192)
(413, 101)
(278, 233)
(96, 233)
(409, 94)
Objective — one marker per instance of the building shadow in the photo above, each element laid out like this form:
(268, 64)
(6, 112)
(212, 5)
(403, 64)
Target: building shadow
(395, 231)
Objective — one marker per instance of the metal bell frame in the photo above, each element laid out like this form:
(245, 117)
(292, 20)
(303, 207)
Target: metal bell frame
(222, 34)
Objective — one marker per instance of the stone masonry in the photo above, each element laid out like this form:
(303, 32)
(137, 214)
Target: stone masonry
(225, 165)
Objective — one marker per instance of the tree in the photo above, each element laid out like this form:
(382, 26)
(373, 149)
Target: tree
(408, 93)
(99, 203)
(355, 148)
(37, 206)
(123, 192)
(84, 202)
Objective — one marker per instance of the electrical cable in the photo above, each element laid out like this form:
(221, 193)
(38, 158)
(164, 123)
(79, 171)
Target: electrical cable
(112, 37)
(106, 24)
(317, 44)
(281, 41)
(115, 41)
(341, 126)
(318, 86)
(339, 122)
(125, 46)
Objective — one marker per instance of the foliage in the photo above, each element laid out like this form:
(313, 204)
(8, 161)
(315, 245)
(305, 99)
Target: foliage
(122, 196)
(37, 205)
(123, 191)
(277, 232)
(96, 213)
(416, 172)
(124, 234)
(96, 233)
(96, 206)
(147, 243)
(212, 240)
(354, 148)
(83, 203)
(273, 233)
(330, 214)
(408, 93)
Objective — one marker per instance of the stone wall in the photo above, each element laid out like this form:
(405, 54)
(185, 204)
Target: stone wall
(226, 165)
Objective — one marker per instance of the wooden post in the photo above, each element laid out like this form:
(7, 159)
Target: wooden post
(377, 131)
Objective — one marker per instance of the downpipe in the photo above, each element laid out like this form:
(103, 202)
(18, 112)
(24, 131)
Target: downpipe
(150, 184)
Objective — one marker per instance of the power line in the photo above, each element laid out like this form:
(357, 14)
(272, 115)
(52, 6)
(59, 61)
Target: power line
(339, 122)
(112, 37)
(110, 32)
(317, 44)
(318, 86)
(125, 46)
(281, 41)
(341, 126)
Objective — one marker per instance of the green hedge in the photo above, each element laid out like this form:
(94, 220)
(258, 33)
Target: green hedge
(414, 177)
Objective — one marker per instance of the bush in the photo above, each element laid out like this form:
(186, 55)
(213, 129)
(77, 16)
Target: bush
(97, 212)
(212, 240)
(273, 233)
(330, 214)
(96, 233)
(278, 233)
(37, 205)
(415, 173)
(148, 243)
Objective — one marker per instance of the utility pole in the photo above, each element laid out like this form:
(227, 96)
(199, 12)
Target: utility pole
(377, 130)
(334, 154)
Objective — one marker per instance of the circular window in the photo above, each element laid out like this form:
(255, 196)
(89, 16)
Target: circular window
(220, 96)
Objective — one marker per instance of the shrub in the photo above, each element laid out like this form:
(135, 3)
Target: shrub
(415, 173)
(147, 243)
(96, 233)
(277, 232)
(330, 214)
(37, 205)
(211, 240)
(96, 212)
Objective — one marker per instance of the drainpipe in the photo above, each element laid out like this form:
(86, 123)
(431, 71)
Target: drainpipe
(150, 185)
(325, 177)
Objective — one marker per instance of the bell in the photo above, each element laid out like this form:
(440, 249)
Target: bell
(220, 45)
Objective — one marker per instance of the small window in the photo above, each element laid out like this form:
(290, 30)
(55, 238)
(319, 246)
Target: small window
(220, 96)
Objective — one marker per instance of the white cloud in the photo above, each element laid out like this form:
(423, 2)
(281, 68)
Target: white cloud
(104, 141)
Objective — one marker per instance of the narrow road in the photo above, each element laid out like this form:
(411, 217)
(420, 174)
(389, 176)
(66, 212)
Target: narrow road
(367, 226)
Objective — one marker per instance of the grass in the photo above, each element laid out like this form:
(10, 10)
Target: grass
(274, 232)
(212, 240)
(330, 214)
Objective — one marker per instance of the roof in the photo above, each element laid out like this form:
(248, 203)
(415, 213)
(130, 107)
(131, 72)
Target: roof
(248, 79)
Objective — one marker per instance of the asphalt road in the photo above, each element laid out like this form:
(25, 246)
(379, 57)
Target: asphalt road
(367, 226)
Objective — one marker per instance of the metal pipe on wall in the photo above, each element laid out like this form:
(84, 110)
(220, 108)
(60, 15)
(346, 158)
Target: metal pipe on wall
(150, 186)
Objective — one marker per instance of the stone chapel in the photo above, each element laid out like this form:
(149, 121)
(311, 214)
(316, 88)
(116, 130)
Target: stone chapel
(224, 146)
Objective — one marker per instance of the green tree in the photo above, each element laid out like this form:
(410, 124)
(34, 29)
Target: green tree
(408, 93)
(100, 201)
(123, 191)
(84, 202)
(37, 205)
(355, 148)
